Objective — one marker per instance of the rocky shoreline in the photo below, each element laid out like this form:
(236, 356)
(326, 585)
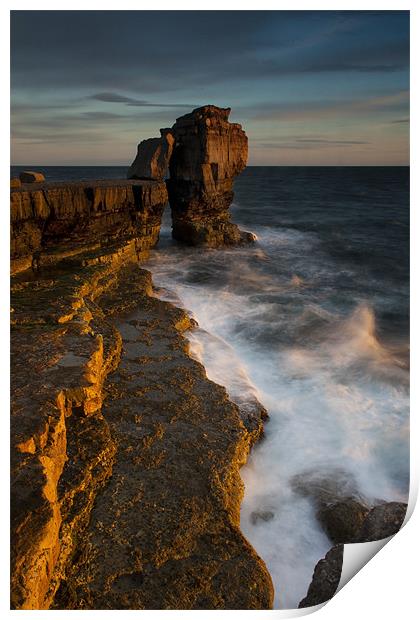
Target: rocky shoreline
(125, 480)
(129, 501)
(125, 457)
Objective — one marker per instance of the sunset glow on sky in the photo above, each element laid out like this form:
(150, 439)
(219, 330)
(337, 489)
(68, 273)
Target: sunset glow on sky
(310, 88)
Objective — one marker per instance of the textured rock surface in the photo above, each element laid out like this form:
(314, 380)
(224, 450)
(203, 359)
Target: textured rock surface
(130, 501)
(382, 521)
(209, 152)
(28, 176)
(152, 159)
(345, 515)
(15, 182)
(52, 218)
(326, 577)
(343, 519)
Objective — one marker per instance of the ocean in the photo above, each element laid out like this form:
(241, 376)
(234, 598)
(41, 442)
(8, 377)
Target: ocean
(313, 320)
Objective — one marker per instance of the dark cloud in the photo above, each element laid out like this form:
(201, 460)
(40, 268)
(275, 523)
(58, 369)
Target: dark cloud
(98, 115)
(117, 76)
(167, 51)
(117, 98)
(401, 120)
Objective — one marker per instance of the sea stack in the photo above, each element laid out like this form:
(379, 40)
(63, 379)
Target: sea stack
(152, 157)
(209, 152)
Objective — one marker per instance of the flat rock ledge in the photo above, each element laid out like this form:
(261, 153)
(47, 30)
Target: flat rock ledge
(125, 457)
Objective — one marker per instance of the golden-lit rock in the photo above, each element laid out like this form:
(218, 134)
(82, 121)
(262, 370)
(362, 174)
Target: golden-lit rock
(130, 501)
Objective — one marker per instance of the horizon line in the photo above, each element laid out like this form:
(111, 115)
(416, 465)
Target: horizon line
(249, 166)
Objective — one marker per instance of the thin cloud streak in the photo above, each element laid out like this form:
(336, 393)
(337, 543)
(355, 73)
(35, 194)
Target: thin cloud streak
(117, 98)
(311, 110)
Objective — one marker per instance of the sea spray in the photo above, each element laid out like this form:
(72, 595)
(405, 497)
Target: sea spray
(316, 330)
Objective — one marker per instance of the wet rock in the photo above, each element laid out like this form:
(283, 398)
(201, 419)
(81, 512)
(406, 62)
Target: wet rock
(343, 520)
(382, 521)
(261, 515)
(209, 152)
(326, 487)
(326, 578)
(28, 176)
(346, 517)
(153, 157)
(340, 508)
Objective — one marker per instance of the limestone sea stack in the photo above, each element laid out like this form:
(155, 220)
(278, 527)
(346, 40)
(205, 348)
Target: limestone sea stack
(152, 157)
(209, 152)
(204, 153)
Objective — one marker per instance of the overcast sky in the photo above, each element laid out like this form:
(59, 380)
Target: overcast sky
(310, 88)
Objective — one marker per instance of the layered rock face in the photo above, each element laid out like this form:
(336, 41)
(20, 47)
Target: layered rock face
(75, 216)
(209, 152)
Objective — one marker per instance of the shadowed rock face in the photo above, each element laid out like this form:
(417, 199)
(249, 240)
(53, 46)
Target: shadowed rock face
(153, 157)
(326, 578)
(29, 176)
(67, 218)
(383, 521)
(346, 517)
(209, 152)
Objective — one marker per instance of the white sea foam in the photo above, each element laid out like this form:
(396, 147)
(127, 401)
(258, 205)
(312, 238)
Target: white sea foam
(336, 395)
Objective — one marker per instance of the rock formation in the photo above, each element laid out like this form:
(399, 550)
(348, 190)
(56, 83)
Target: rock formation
(343, 512)
(153, 157)
(340, 509)
(347, 517)
(204, 152)
(130, 501)
(382, 521)
(66, 218)
(209, 152)
(326, 578)
(29, 176)
(125, 458)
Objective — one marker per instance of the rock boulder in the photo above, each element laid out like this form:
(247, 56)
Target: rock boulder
(382, 521)
(326, 578)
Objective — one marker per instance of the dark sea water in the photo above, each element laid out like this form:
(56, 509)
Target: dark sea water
(313, 320)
